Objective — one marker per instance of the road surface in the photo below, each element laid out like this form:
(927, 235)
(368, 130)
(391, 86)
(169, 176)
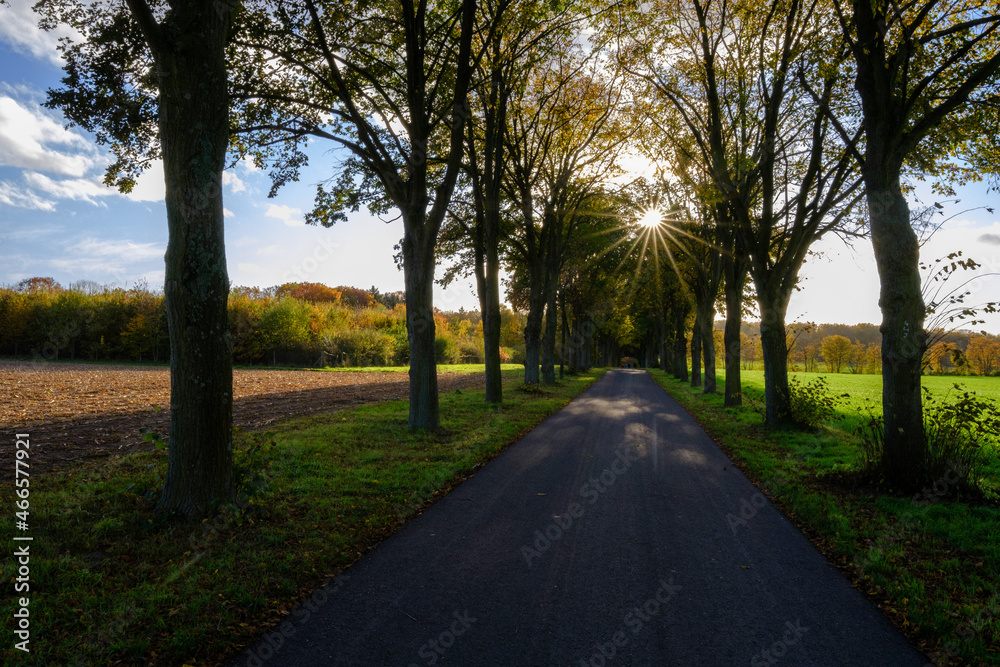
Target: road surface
(614, 533)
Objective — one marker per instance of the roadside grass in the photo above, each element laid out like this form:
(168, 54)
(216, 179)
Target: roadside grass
(442, 368)
(859, 394)
(932, 566)
(112, 582)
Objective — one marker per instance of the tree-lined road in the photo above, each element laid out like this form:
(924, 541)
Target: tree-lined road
(606, 536)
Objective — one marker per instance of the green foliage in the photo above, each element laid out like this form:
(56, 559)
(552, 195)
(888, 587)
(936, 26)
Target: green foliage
(963, 433)
(811, 403)
(447, 350)
(360, 347)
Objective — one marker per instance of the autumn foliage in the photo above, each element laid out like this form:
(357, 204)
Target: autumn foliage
(307, 324)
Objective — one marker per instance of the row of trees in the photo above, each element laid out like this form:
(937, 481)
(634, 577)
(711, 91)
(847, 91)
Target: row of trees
(784, 125)
(499, 123)
(294, 324)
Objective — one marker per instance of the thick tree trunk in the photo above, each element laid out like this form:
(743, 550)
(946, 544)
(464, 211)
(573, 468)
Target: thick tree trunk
(562, 348)
(775, 348)
(194, 135)
(736, 273)
(549, 337)
(680, 346)
(488, 286)
(418, 272)
(903, 338)
(533, 339)
(696, 339)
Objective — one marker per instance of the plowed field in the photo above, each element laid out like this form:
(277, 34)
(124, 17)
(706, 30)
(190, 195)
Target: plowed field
(76, 412)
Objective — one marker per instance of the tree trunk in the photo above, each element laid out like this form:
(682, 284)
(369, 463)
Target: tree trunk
(707, 317)
(488, 286)
(194, 135)
(736, 274)
(533, 338)
(775, 349)
(903, 338)
(696, 352)
(418, 272)
(562, 348)
(680, 346)
(549, 338)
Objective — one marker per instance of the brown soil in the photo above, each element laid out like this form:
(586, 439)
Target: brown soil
(75, 412)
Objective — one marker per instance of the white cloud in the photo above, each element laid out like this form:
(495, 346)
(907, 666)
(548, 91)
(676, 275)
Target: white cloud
(226, 213)
(23, 198)
(30, 139)
(19, 29)
(121, 249)
(89, 266)
(149, 186)
(81, 189)
(269, 250)
(290, 216)
(32, 233)
(991, 239)
(233, 181)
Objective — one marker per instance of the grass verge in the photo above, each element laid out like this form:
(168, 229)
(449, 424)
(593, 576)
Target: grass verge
(111, 582)
(932, 566)
(442, 368)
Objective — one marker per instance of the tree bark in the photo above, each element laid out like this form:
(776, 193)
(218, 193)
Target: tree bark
(775, 348)
(418, 272)
(707, 317)
(903, 338)
(189, 50)
(533, 336)
(549, 337)
(736, 274)
(897, 251)
(696, 339)
(488, 287)
(680, 345)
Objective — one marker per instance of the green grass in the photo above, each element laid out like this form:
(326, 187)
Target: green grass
(442, 368)
(111, 582)
(932, 566)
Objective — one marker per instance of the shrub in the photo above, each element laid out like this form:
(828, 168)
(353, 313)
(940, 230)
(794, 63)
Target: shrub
(472, 352)
(360, 347)
(957, 432)
(811, 403)
(446, 350)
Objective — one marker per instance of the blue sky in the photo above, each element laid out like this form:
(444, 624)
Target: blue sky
(57, 218)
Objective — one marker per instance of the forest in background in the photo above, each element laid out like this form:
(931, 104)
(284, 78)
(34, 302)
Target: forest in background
(298, 324)
(311, 324)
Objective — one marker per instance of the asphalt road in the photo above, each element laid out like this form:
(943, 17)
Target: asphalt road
(615, 533)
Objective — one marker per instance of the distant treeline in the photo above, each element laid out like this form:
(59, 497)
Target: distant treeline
(305, 324)
(857, 348)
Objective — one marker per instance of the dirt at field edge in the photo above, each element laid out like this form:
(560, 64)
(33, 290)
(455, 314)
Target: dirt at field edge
(86, 412)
